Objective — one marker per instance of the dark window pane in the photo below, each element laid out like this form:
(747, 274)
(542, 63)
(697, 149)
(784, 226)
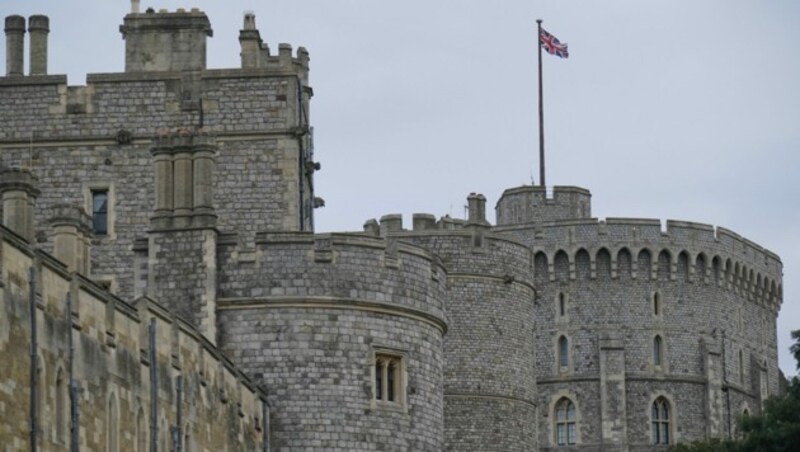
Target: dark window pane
(390, 382)
(378, 381)
(563, 351)
(100, 212)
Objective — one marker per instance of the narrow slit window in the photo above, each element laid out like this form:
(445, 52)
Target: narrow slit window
(656, 304)
(100, 212)
(658, 350)
(562, 305)
(563, 352)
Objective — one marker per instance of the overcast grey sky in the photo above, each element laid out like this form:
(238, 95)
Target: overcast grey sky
(675, 109)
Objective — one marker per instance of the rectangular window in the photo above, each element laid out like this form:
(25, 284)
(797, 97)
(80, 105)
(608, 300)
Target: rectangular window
(388, 383)
(100, 212)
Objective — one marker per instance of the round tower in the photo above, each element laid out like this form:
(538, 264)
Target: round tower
(344, 332)
(648, 335)
(490, 360)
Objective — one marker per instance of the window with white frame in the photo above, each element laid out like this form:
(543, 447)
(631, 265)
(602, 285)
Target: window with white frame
(660, 418)
(565, 425)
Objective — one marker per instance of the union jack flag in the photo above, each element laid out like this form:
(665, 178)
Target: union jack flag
(552, 45)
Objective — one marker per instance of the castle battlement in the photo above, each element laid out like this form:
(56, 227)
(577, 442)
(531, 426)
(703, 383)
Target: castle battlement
(191, 191)
(338, 269)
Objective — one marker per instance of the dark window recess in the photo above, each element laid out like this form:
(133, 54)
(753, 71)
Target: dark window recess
(390, 382)
(100, 212)
(378, 381)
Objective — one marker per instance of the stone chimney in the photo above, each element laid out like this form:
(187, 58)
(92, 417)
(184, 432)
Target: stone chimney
(19, 193)
(15, 45)
(166, 41)
(250, 42)
(135, 6)
(39, 28)
(477, 210)
(72, 238)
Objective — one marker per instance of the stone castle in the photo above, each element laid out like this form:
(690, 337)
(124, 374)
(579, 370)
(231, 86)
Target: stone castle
(162, 287)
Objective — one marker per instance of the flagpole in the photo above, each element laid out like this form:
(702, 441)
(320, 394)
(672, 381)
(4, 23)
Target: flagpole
(541, 106)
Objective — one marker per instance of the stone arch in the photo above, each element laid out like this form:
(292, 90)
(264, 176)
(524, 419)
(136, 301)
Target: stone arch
(141, 431)
(683, 266)
(540, 267)
(772, 292)
(61, 402)
(624, 263)
(664, 265)
(729, 276)
(112, 424)
(644, 263)
(163, 432)
(701, 267)
(657, 398)
(737, 276)
(716, 269)
(555, 398)
(583, 264)
(603, 263)
(561, 264)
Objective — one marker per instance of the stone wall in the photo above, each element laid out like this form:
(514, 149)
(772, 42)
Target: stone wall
(489, 363)
(306, 316)
(112, 366)
(75, 139)
(712, 287)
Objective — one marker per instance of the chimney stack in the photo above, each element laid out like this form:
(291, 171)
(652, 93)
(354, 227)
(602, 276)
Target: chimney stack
(39, 28)
(19, 193)
(15, 45)
(477, 209)
(135, 6)
(250, 42)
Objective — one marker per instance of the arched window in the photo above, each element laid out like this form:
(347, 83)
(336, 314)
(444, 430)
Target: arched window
(141, 432)
(563, 352)
(112, 440)
(658, 351)
(61, 407)
(660, 421)
(565, 428)
(562, 304)
(164, 432)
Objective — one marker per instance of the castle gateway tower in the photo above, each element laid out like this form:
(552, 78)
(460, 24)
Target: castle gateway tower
(174, 203)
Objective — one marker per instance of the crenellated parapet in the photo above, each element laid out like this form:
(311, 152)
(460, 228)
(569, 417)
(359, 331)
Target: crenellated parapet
(537, 204)
(341, 325)
(256, 53)
(345, 269)
(698, 253)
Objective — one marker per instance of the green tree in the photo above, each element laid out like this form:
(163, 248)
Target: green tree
(795, 348)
